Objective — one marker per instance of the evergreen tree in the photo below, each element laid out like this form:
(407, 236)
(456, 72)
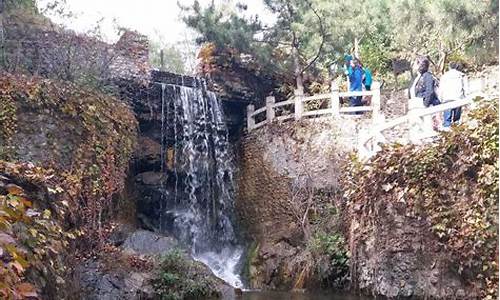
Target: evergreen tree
(310, 35)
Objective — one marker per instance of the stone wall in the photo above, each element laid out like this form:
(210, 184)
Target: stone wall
(33, 45)
(393, 254)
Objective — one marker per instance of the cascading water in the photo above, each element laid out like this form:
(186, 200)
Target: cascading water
(200, 210)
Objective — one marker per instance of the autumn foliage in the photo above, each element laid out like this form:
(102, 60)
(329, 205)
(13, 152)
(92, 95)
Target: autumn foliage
(79, 188)
(31, 238)
(453, 184)
(106, 129)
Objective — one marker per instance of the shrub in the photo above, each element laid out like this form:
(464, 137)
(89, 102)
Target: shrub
(31, 238)
(331, 258)
(180, 278)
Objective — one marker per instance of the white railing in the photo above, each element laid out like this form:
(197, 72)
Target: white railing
(419, 121)
(368, 140)
(300, 108)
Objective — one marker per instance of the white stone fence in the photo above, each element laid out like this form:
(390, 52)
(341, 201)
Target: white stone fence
(418, 119)
(300, 108)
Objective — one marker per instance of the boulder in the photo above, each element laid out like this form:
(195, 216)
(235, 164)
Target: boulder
(143, 242)
(98, 283)
(148, 154)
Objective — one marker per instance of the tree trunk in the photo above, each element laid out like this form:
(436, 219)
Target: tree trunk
(297, 70)
(443, 56)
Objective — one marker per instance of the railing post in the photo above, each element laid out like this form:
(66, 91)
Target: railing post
(299, 105)
(270, 108)
(250, 118)
(335, 100)
(376, 108)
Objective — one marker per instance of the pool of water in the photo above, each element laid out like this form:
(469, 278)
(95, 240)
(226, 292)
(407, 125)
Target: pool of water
(270, 295)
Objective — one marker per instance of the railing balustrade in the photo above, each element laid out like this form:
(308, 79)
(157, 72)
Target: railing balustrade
(369, 140)
(300, 109)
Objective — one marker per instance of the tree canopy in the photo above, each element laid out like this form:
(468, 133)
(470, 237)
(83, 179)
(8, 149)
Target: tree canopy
(308, 36)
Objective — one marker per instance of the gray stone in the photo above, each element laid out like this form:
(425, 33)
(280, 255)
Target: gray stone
(150, 178)
(143, 242)
(95, 283)
(120, 234)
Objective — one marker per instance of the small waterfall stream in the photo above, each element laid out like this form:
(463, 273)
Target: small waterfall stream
(200, 164)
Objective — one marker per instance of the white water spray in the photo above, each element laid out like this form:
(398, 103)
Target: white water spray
(202, 209)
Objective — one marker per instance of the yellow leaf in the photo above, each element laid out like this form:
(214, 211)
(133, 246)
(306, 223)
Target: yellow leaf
(14, 189)
(26, 290)
(16, 265)
(46, 214)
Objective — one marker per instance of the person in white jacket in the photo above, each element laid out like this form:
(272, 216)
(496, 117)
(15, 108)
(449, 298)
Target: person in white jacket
(452, 87)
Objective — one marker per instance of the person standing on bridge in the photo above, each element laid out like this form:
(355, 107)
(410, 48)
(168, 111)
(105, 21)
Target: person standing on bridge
(425, 83)
(423, 95)
(355, 74)
(452, 87)
(367, 82)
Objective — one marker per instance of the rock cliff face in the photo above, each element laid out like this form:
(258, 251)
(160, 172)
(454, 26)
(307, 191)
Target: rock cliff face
(398, 256)
(83, 140)
(276, 163)
(392, 253)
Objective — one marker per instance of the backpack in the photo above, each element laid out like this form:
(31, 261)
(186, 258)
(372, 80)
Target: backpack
(367, 78)
(436, 99)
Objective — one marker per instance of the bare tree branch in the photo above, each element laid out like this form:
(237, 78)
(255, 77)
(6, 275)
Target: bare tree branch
(323, 38)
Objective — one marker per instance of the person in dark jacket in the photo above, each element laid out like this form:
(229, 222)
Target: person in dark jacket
(425, 82)
(422, 95)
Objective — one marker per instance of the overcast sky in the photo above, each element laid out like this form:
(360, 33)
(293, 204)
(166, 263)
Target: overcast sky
(150, 17)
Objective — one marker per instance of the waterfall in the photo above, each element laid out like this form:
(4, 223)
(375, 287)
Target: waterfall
(200, 211)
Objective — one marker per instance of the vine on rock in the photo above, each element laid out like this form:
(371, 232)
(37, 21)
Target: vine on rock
(31, 238)
(453, 184)
(105, 131)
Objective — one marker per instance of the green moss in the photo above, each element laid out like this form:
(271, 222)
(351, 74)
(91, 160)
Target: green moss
(180, 278)
(250, 257)
(331, 258)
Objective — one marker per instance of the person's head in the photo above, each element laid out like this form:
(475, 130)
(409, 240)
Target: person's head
(422, 64)
(456, 66)
(355, 63)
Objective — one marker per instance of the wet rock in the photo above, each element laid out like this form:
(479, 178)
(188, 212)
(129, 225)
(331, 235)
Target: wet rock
(397, 256)
(150, 178)
(98, 283)
(148, 154)
(143, 242)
